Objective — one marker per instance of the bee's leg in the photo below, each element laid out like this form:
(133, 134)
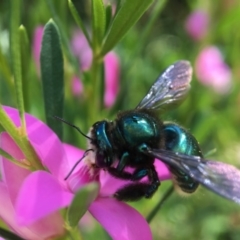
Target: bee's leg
(132, 192)
(135, 176)
(119, 174)
(123, 162)
(118, 171)
(135, 191)
(155, 182)
(139, 173)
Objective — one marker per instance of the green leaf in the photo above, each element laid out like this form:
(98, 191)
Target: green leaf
(81, 202)
(78, 20)
(16, 57)
(64, 37)
(25, 60)
(98, 23)
(108, 16)
(52, 76)
(127, 16)
(6, 72)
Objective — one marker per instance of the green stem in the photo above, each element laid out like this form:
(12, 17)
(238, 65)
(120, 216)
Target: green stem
(159, 204)
(6, 72)
(75, 234)
(16, 57)
(94, 95)
(13, 160)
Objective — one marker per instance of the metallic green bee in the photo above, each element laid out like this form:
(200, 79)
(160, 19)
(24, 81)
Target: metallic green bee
(137, 137)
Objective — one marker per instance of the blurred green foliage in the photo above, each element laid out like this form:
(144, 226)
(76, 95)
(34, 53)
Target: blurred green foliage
(157, 40)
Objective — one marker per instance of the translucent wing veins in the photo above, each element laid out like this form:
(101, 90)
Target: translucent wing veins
(170, 87)
(219, 177)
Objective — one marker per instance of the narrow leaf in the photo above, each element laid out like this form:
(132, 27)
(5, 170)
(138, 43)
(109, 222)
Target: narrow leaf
(81, 202)
(98, 23)
(52, 76)
(65, 40)
(126, 17)
(78, 20)
(25, 60)
(16, 57)
(6, 72)
(108, 16)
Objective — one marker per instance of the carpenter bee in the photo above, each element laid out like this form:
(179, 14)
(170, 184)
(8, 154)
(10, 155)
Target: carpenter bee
(137, 137)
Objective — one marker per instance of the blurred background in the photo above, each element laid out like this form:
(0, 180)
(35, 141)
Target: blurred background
(203, 32)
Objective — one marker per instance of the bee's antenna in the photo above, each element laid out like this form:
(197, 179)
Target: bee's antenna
(78, 129)
(75, 165)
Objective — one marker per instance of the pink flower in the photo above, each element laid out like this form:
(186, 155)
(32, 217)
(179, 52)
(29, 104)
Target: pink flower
(30, 201)
(197, 24)
(37, 44)
(211, 70)
(111, 65)
(77, 87)
(83, 52)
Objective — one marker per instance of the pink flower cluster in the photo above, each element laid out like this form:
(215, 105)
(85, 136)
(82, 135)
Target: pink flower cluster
(211, 70)
(30, 201)
(197, 24)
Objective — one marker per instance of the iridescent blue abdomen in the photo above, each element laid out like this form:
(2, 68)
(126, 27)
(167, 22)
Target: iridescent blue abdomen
(180, 140)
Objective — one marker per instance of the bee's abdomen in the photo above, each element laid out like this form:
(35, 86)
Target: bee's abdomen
(177, 139)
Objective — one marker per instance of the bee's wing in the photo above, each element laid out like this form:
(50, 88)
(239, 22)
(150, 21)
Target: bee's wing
(221, 178)
(171, 86)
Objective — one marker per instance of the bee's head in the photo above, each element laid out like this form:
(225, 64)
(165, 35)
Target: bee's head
(101, 141)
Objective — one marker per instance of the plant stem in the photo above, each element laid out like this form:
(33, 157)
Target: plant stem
(159, 204)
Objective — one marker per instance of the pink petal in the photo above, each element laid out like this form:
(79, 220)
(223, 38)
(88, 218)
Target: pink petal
(73, 153)
(77, 86)
(162, 170)
(84, 172)
(44, 229)
(112, 72)
(37, 44)
(45, 142)
(121, 221)
(211, 70)
(110, 184)
(197, 24)
(82, 50)
(13, 175)
(40, 195)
